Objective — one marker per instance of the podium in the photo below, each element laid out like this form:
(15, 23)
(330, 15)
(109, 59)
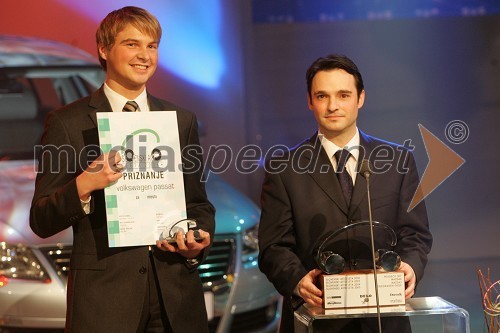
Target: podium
(427, 314)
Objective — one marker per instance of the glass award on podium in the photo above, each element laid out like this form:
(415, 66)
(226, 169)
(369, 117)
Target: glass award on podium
(345, 257)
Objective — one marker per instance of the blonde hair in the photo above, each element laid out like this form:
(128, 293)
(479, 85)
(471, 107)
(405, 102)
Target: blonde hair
(116, 21)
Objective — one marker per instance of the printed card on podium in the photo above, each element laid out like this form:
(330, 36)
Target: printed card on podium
(150, 196)
(356, 289)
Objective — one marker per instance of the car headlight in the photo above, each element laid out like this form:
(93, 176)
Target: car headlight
(19, 262)
(250, 239)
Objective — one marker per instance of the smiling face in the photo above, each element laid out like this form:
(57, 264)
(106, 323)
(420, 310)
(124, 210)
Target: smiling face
(335, 103)
(131, 61)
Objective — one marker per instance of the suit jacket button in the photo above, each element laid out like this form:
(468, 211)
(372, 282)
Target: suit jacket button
(142, 270)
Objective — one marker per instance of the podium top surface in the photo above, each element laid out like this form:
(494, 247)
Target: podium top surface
(413, 307)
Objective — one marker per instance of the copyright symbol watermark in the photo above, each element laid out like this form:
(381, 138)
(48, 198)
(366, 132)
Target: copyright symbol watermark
(457, 131)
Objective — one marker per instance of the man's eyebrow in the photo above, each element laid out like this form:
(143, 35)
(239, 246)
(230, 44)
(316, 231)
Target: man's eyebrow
(128, 40)
(338, 91)
(133, 40)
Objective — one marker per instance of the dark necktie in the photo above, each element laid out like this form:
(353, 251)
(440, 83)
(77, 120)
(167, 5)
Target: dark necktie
(345, 179)
(130, 106)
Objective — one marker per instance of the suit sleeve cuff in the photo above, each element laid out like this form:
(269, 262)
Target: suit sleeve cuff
(86, 205)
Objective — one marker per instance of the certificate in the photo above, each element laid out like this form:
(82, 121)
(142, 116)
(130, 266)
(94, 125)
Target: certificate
(150, 196)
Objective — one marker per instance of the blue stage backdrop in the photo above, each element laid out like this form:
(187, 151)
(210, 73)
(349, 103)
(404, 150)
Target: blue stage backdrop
(287, 11)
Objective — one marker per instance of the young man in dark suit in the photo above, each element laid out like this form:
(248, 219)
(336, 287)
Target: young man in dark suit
(123, 289)
(304, 200)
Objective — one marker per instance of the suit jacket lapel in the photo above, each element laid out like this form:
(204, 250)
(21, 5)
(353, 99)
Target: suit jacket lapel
(359, 192)
(98, 103)
(155, 104)
(323, 173)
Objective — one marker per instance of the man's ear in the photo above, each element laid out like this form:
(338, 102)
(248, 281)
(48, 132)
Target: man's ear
(361, 99)
(103, 51)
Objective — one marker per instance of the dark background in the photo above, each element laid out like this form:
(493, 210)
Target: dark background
(240, 66)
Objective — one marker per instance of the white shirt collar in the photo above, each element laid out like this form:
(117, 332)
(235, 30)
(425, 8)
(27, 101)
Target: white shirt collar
(117, 101)
(352, 146)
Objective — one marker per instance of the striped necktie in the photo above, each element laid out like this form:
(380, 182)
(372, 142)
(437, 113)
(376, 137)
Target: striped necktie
(345, 179)
(130, 106)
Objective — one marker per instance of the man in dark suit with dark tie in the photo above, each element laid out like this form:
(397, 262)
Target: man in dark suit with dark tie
(153, 288)
(307, 195)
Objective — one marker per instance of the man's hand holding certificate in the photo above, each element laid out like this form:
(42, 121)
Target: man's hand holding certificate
(149, 196)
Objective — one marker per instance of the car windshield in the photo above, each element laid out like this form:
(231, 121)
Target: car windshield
(27, 94)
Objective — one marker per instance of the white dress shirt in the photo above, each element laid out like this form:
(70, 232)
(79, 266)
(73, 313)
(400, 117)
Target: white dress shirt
(117, 101)
(352, 146)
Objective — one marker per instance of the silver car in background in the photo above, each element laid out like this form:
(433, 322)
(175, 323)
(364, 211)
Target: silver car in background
(37, 76)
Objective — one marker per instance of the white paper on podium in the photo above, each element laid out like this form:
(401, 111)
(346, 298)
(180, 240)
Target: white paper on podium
(150, 195)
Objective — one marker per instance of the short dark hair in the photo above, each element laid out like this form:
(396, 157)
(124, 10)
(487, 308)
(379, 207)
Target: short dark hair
(116, 21)
(331, 62)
